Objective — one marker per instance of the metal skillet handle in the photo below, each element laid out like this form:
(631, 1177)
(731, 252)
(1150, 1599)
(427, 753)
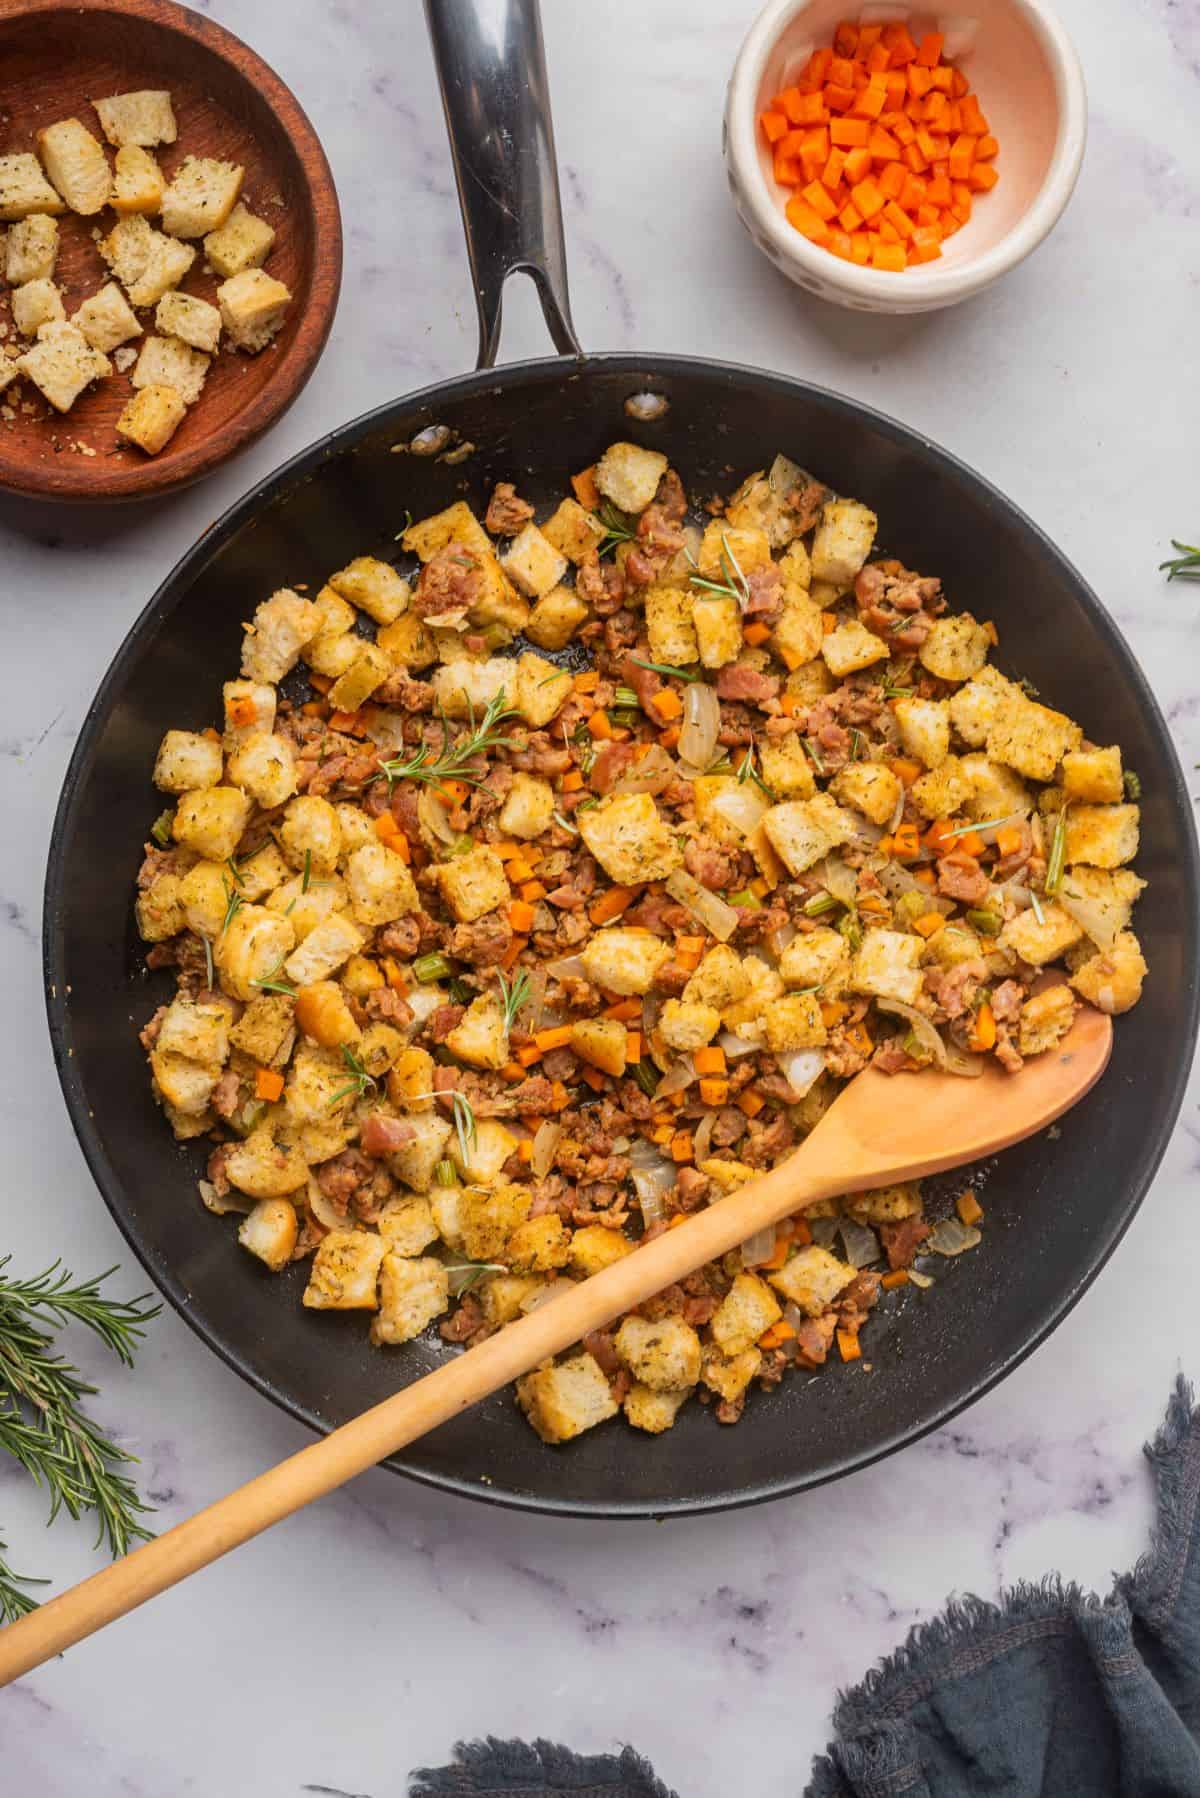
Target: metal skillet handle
(492, 72)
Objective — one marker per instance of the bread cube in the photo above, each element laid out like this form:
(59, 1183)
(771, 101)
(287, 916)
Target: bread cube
(269, 1232)
(481, 1035)
(793, 1023)
(1112, 979)
(265, 1029)
(943, 791)
(624, 961)
(486, 1151)
(264, 766)
(501, 1296)
(165, 362)
(474, 884)
(1031, 738)
(653, 1411)
(31, 250)
(370, 667)
(924, 727)
(380, 886)
(1040, 943)
(76, 164)
(594, 1248)
(629, 839)
(413, 1165)
(317, 1090)
(191, 320)
(842, 541)
(799, 632)
(406, 1225)
(159, 910)
(24, 189)
(720, 980)
(253, 308)
(730, 1375)
(345, 1272)
(263, 1168)
(726, 547)
(670, 626)
(307, 906)
(1101, 900)
(323, 1014)
(851, 647)
(282, 626)
(885, 1204)
(975, 707)
(204, 894)
(541, 1245)
(107, 320)
(1094, 775)
(211, 822)
(818, 958)
(457, 524)
(1104, 836)
(686, 1026)
(323, 950)
(196, 1029)
(748, 1308)
(310, 835)
(717, 626)
(787, 768)
(186, 761)
(629, 475)
(165, 264)
(887, 966)
(242, 242)
(955, 649)
(35, 304)
(374, 587)
(562, 1402)
(202, 194)
(996, 792)
(533, 563)
(763, 987)
(601, 1042)
(540, 690)
(465, 687)
(184, 1084)
(411, 1294)
(661, 1354)
(145, 117)
(138, 183)
(127, 248)
(801, 831)
(869, 787)
(555, 618)
(572, 531)
(812, 1279)
(489, 1215)
(529, 808)
(407, 643)
(251, 948)
(1045, 1019)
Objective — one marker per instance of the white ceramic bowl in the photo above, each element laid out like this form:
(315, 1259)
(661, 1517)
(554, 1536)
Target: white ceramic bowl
(1023, 67)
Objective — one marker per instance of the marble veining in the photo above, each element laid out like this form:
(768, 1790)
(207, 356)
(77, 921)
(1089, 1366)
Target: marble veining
(365, 1636)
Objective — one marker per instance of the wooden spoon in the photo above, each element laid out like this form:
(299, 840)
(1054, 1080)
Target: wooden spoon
(882, 1128)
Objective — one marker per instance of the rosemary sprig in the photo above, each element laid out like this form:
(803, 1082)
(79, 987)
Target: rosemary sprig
(1058, 851)
(735, 586)
(464, 1124)
(1186, 565)
(856, 742)
(233, 905)
(618, 527)
(208, 964)
(1036, 903)
(564, 823)
(814, 754)
(14, 1602)
(964, 830)
(888, 691)
(462, 1276)
(664, 668)
(453, 760)
(360, 1082)
(269, 984)
(747, 771)
(306, 877)
(513, 997)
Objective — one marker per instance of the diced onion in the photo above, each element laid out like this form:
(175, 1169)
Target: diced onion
(784, 474)
(707, 909)
(838, 878)
(655, 771)
(860, 1243)
(897, 880)
(1100, 921)
(801, 1068)
(677, 1078)
(776, 941)
(920, 1280)
(221, 1204)
(384, 728)
(952, 1237)
(653, 1178)
(701, 725)
(893, 823)
(961, 1061)
(824, 1229)
(703, 1136)
(322, 1209)
(927, 1036)
(760, 1247)
(423, 1001)
(553, 1289)
(741, 807)
(567, 967)
(544, 1144)
(866, 833)
(739, 1045)
(434, 820)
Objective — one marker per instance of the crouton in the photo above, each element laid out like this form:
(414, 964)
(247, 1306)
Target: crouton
(720, 980)
(799, 632)
(303, 909)
(253, 308)
(406, 1224)
(263, 1168)
(474, 884)
(211, 822)
(202, 193)
(35, 304)
(76, 164)
(976, 706)
(924, 728)
(323, 950)
(653, 1411)
(540, 1245)
(191, 320)
(748, 1308)
(725, 548)
(374, 587)
(282, 626)
(269, 1232)
(184, 1084)
(266, 1028)
(803, 830)
(489, 1215)
(145, 117)
(1101, 900)
(955, 649)
(730, 1375)
(943, 791)
(31, 249)
(502, 1295)
(1111, 980)
(540, 689)
(851, 647)
(481, 1035)
(413, 1165)
(528, 809)
(165, 362)
(107, 320)
(411, 1294)
(661, 1354)
(1045, 1019)
(787, 768)
(793, 1023)
(601, 1042)
(1031, 738)
(1039, 943)
(138, 183)
(380, 887)
(887, 966)
(624, 961)
(717, 626)
(869, 787)
(555, 618)
(345, 1272)
(629, 475)
(158, 910)
(242, 242)
(533, 563)
(670, 628)
(457, 524)
(165, 263)
(573, 531)
(763, 987)
(629, 839)
(186, 761)
(562, 1402)
(407, 642)
(996, 791)
(812, 1279)
(310, 835)
(196, 1029)
(885, 1204)
(485, 1153)
(818, 958)
(24, 189)
(688, 1027)
(594, 1248)
(1103, 836)
(842, 541)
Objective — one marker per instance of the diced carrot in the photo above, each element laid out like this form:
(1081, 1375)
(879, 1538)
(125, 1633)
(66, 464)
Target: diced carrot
(939, 838)
(667, 703)
(513, 953)
(968, 1207)
(972, 118)
(849, 133)
(528, 1055)
(812, 110)
(859, 1037)
(898, 1277)
(774, 124)
(860, 248)
(394, 975)
(948, 224)
(817, 195)
(927, 214)
(714, 1091)
(832, 1012)
(983, 1030)
(520, 916)
(661, 1133)
(895, 87)
(897, 217)
(595, 1079)
(787, 102)
(386, 827)
(899, 42)
(532, 891)
(929, 50)
(875, 905)
(399, 845)
(891, 180)
(877, 59)
(687, 959)
(868, 35)
(669, 738)
(778, 1333)
(572, 781)
(512, 1071)
(611, 903)
(831, 174)
(313, 708)
(519, 869)
(953, 122)
(937, 108)
(598, 723)
(867, 198)
(906, 842)
(682, 1147)
(912, 195)
(587, 492)
(841, 70)
(525, 1149)
(926, 876)
(871, 101)
(850, 218)
(986, 149)
(960, 205)
(926, 145)
(919, 81)
(926, 245)
(958, 83)
(710, 1060)
(560, 1098)
(962, 158)
(838, 99)
(883, 146)
(913, 109)
(556, 1037)
(848, 1345)
(1008, 839)
(749, 1102)
(906, 771)
(818, 65)
(943, 79)
(633, 1045)
(858, 164)
(268, 1084)
(587, 682)
(930, 924)
(983, 177)
(938, 193)
(845, 38)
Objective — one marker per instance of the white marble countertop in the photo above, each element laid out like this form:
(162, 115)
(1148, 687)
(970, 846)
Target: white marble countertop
(362, 1638)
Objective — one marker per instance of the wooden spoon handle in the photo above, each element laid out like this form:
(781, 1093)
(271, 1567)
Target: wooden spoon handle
(329, 1462)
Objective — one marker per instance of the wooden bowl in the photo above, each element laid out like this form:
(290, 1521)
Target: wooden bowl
(56, 59)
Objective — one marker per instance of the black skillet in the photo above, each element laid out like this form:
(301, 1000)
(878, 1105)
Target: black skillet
(1055, 1210)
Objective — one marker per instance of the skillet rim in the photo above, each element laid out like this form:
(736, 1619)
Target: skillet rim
(169, 594)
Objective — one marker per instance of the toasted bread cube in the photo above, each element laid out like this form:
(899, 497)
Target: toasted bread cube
(457, 524)
(186, 762)
(204, 894)
(533, 563)
(151, 418)
(885, 1204)
(9, 372)
(282, 626)
(529, 808)
(1112, 980)
(369, 669)
(670, 628)
(955, 649)
(748, 1308)
(345, 1272)
(730, 1375)
(380, 886)
(182, 1083)
(310, 835)
(264, 766)
(801, 831)
(463, 687)
(629, 839)
(138, 183)
(252, 947)
(489, 1215)
(316, 1091)
(323, 950)
(411, 1294)
(159, 909)
(724, 548)
(270, 1232)
(35, 304)
(601, 1042)
(728, 1175)
(1045, 1019)
(1031, 738)
(763, 987)
(786, 768)
(975, 708)
(202, 194)
(76, 164)
(686, 1026)
(818, 957)
(812, 1279)
(486, 1151)
(1104, 836)
(573, 531)
(253, 308)
(263, 1168)
(717, 625)
(265, 1029)
(555, 618)
(1094, 775)
(842, 541)
(540, 689)
(541, 1245)
(887, 966)
(406, 1225)
(243, 241)
(624, 961)
(305, 909)
(191, 320)
(474, 884)
(127, 248)
(196, 1029)
(594, 1248)
(445, 1203)
(869, 787)
(145, 117)
(629, 475)
(1040, 943)
(323, 1014)
(407, 642)
(31, 250)
(24, 189)
(996, 792)
(1101, 900)
(107, 320)
(166, 262)
(481, 1035)
(653, 1411)
(502, 1296)
(413, 1165)
(662, 1355)
(165, 362)
(851, 647)
(211, 822)
(799, 632)
(562, 1402)
(924, 727)
(794, 1023)
(720, 980)
(955, 944)
(374, 587)
(943, 791)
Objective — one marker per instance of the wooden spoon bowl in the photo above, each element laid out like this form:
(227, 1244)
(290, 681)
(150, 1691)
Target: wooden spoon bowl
(56, 59)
